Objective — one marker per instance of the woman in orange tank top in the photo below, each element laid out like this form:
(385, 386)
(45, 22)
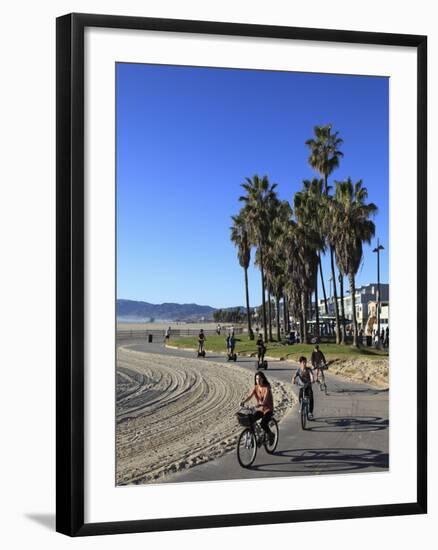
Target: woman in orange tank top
(265, 404)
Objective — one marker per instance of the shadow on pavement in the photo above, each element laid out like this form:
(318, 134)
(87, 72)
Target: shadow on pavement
(348, 424)
(366, 391)
(323, 461)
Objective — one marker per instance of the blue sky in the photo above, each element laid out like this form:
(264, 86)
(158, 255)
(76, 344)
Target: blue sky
(186, 139)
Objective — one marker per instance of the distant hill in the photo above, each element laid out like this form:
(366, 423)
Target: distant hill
(132, 310)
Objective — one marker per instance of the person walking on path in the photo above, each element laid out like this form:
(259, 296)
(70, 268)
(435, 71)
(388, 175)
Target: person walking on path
(167, 335)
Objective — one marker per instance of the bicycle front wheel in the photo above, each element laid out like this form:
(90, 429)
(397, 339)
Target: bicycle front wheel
(303, 415)
(271, 445)
(246, 448)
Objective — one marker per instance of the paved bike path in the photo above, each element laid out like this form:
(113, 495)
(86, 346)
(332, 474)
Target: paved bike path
(350, 431)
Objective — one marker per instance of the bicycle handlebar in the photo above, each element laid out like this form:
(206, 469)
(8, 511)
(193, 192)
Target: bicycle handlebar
(304, 385)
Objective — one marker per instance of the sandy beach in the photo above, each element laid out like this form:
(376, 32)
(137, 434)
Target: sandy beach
(374, 372)
(173, 413)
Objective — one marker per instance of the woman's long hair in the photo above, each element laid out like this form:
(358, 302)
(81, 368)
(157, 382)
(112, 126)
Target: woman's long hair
(263, 377)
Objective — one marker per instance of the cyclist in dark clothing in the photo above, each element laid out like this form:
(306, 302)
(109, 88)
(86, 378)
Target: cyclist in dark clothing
(318, 361)
(304, 376)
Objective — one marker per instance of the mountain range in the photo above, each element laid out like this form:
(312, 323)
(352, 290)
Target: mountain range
(132, 310)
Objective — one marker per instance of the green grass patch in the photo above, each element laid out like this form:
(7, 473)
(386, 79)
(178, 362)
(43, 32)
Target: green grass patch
(278, 349)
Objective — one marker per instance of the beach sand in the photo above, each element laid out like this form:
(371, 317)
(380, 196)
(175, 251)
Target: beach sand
(374, 372)
(173, 413)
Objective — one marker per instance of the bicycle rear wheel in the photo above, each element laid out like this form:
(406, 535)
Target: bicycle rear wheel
(246, 448)
(270, 446)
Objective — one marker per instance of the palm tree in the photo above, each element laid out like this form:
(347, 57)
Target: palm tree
(260, 194)
(353, 228)
(308, 206)
(300, 248)
(324, 158)
(239, 236)
(281, 214)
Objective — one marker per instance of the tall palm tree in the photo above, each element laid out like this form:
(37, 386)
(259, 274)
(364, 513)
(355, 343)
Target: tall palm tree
(239, 236)
(308, 207)
(324, 158)
(277, 274)
(260, 194)
(300, 249)
(353, 227)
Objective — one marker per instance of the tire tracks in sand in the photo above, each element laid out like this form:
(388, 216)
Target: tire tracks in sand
(173, 413)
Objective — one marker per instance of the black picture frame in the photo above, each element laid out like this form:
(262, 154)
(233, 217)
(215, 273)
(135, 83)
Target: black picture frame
(70, 273)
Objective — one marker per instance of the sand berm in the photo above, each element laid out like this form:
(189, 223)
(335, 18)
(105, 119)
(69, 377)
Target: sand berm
(173, 412)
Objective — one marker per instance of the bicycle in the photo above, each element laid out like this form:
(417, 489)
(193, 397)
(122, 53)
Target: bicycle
(305, 405)
(322, 384)
(254, 436)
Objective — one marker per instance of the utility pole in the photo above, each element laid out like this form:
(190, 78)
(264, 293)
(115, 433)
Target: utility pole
(377, 250)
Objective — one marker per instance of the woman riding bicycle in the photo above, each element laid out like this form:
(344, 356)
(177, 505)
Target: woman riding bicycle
(304, 375)
(265, 403)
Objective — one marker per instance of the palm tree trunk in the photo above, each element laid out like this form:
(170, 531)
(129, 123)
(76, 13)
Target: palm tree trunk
(341, 289)
(322, 282)
(316, 309)
(353, 305)
(262, 271)
(270, 313)
(332, 264)
(277, 305)
(304, 335)
(335, 294)
(248, 311)
(286, 315)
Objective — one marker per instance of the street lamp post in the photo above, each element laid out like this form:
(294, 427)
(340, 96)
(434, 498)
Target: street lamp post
(377, 250)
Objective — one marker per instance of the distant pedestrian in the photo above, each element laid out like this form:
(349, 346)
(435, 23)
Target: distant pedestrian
(218, 330)
(382, 335)
(167, 335)
(386, 341)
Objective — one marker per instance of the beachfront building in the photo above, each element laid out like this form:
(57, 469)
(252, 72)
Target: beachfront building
(371, 326)
(364, 296)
